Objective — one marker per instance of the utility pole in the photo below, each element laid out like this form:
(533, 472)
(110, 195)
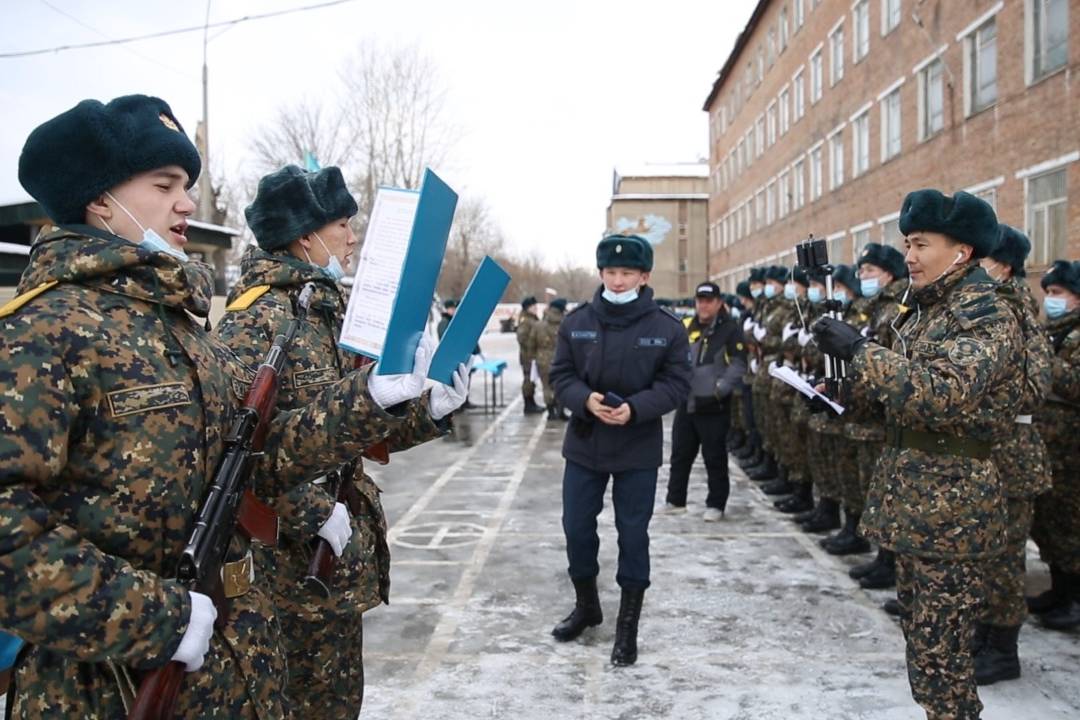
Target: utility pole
(207, 208)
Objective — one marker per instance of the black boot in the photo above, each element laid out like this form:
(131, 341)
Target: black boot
(826, 517)
(1056, 595)
(997, 659)
(892, 607)
(553, 413)
(625, 650)
(747, 451)
(884, 575)
(779, 486)
(531, 408)
(1066, 615)
(802, 500)
(800, 517)
(765, 471)
(586, 612)
(861, 570)
(847, 541)
(736, 441)
(978, 637)
(753, 459)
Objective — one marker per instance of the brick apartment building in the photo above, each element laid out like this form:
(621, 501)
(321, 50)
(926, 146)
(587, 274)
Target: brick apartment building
(668, 205)
(828, 112)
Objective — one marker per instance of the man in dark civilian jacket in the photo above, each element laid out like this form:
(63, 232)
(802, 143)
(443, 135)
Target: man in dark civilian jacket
(621, 363)
(718, 357)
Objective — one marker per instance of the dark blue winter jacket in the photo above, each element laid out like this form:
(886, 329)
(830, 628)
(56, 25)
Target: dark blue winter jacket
(637, 351)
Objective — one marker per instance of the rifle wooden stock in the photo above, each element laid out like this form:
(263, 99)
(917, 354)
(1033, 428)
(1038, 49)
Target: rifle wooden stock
(257, 520)
(157, 693)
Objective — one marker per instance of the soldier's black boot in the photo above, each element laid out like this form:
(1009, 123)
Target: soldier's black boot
(736, 441)
(802, 500)
(826, 517)
(753, 459)
(1066, 615)
(978, 637)
(748, 450)
(998, 659)
(531, 408)
(858, 572)
(586, 613)
(779, 486)
(625, 650)
(1050, 599)
(553, 413)
(882, 576)
(765, 471)
(847, 541)
(892, 607)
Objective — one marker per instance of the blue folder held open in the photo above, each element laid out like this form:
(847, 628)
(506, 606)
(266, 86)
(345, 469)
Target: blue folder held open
(471, 317)
(419, 274)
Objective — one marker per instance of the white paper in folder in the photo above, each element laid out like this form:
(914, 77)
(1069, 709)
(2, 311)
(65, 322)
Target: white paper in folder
(792, 378)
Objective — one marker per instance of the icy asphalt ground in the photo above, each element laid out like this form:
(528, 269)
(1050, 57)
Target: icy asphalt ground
(746, 618)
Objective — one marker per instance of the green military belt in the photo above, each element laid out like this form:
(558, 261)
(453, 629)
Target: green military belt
(939, 443)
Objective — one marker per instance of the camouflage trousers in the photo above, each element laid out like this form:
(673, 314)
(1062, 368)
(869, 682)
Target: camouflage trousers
(737, 422)
(528, 387)
(821, 449)
(938, 603)
(326, 667)
(760, 398)
(1056, 527)
(846, 462)
(1003, 575)
(549, 392)
(794, 443)
(867, 453)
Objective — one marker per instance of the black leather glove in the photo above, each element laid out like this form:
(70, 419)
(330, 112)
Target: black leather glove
(837, 338)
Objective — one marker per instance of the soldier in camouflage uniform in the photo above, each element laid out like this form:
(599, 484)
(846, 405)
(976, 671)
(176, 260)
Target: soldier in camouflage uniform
(752, 454)
(541, 346)
(116, 400)
(1023, 465)
(950, 392)
(739, 440)
(301, 224)
(883, 281)
(1056, 527)
(767, 334)
(527, 320)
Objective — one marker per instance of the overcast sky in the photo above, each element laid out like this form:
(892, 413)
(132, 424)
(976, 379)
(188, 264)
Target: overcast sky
(550, 96)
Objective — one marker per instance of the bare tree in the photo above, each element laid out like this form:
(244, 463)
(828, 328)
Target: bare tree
(473, 235)
(303, 127)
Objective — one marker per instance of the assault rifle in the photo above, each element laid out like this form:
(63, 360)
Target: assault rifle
(229, 504)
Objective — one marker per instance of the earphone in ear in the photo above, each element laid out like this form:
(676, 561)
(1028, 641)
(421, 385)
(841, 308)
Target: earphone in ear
(959, 256)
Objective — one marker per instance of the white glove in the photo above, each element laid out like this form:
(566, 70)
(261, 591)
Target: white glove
(789, 330)
(759, 332)
(196, 641)
(753, 366)
(445, 399)
(747, 324)
(389, 390)
(337, 529)
(804, 337)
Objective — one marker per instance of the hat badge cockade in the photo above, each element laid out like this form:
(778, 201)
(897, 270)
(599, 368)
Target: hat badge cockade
(168, 122)
(618, 248)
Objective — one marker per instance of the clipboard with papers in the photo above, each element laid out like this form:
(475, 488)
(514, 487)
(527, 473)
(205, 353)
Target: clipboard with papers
(792, 378)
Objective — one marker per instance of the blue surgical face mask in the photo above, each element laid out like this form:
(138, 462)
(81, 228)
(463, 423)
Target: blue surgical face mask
(627, 296)
(755, 293)
(770, 291)
(841, 297)
(1055, 307)
(333, 268)
(150, 239)
(815, 294)
(789, 291)
(870, 286)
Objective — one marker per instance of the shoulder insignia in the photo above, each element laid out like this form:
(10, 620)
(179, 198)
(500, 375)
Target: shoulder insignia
(13, 305)
(966, 351)
(247, 298)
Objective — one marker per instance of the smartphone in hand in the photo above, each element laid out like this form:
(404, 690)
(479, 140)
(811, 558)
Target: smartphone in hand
(612, 400)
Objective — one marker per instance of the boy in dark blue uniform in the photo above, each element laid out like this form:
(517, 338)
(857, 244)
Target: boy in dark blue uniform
(621, 363)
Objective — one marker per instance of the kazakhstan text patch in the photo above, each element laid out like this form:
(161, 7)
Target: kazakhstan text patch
(315, 376)
(583, 335)
(652, 342)
(147, 398)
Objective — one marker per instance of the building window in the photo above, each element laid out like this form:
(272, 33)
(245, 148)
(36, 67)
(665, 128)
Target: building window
(836, 161)
(931, 100)
(759, 136)
(800, 94)
(785, 111)
(770, 115)
(1049, 41)
(770, 203)
(890, 16)
(798, 13)
(815, 77)
(890, 125)
(859, 240)
(891, 235)
(760, 64)
(990, 196)
(860, 20)
(1046, 216)
(759, 210)
(981, 66)
(783, 29)
(770, 48)
(785, 193)
(860, 146)
(815, 174)
(835, 246)
(798, 194)
(836, 54)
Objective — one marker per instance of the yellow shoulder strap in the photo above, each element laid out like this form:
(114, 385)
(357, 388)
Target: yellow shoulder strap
(12, 306)
(247, 298)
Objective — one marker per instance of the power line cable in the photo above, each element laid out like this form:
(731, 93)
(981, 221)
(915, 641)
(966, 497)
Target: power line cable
(178, 31)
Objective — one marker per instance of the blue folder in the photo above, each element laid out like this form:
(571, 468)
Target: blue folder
(485, 289)
(419, 273)
(9, 649)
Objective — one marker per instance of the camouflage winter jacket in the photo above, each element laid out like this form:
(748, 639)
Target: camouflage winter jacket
(361, 578)
(525, 326)
(1021, 458)
(864, 420)
(544, 337)
(1059, 419)
(952, 378)
(115, 401)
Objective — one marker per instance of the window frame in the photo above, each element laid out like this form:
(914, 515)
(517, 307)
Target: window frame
(836, 53)
(860, 46)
